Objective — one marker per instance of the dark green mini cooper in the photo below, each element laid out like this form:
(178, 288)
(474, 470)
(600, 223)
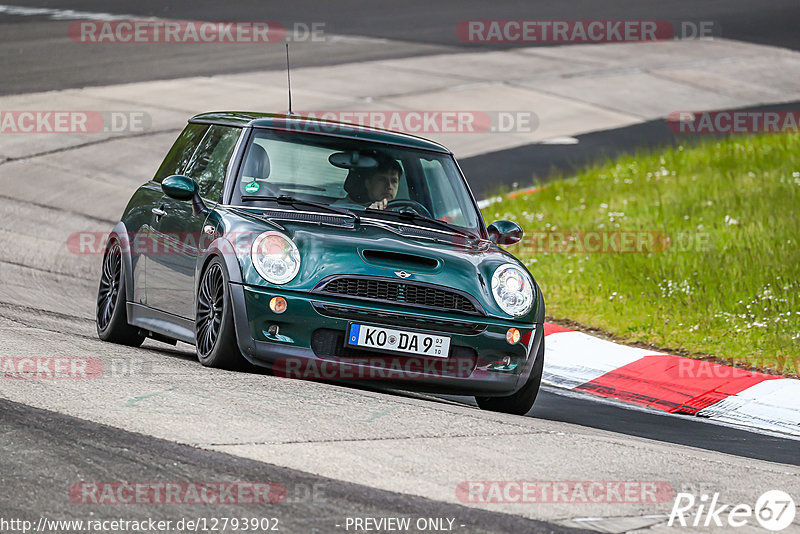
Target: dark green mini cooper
(325, 251)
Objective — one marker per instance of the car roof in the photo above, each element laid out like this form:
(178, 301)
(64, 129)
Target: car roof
(297, 123)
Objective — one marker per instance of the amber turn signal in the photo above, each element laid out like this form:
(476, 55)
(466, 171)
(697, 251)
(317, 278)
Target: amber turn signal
(277, 304)
(512, 336)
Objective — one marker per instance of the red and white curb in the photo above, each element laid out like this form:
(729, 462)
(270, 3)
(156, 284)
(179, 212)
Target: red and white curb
(486, 202)
(673, 384)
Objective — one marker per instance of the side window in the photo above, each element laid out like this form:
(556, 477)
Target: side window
(444, 199)
(210, 160)
(183, 148)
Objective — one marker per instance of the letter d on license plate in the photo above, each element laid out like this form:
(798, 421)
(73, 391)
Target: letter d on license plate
(388, 339)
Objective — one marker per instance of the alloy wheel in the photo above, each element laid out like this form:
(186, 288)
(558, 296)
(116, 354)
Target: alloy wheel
(109, 286)
(210, 303)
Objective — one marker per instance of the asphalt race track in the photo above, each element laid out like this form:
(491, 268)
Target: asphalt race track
(311, 503)
(32, 46)
(156, 415)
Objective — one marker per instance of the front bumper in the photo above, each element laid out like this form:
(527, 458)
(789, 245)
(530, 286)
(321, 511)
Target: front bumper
(310, 343)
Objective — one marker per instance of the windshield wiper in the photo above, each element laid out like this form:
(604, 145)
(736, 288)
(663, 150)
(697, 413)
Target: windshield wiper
(292, 201)
(414, 216)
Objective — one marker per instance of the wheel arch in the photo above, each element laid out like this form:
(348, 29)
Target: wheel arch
(223, 249)
(120, 233)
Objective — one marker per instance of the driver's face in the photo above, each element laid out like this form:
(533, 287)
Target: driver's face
(382, 185)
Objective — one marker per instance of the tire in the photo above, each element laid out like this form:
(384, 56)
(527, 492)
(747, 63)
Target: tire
(522, 401)
(111, 316)
(215, 335)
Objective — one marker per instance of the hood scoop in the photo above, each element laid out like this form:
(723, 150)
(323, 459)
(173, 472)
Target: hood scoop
(399, 260)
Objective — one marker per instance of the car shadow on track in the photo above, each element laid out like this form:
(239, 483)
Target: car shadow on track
(591, 412)
(588, 411)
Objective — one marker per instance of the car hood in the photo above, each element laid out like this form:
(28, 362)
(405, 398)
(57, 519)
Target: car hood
(381, 250)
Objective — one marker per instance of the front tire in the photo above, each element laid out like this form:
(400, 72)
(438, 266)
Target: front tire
(111, 316)
(522, 401)
(215, 335)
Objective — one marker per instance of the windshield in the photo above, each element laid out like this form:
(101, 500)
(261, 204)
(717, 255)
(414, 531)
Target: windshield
(356, 175)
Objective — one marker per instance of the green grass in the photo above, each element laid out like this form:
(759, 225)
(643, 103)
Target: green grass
(727, 285)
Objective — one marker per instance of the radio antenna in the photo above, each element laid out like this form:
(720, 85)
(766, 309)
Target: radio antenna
(289, 79)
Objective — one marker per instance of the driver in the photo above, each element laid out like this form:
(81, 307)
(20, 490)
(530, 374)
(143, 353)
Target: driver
(374, 188)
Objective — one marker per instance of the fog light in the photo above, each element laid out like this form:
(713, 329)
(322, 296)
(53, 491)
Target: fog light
(507, 361)
(278, 305)
(512, 336)
(273, 330)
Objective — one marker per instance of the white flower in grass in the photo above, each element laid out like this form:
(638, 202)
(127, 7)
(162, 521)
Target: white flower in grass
(730, 221)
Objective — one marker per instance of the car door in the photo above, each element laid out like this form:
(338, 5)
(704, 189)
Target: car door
(148, 198)
(171, 265)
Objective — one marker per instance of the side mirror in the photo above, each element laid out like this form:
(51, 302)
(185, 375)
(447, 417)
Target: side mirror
(179, 187)
(182, 187)
(505, 232)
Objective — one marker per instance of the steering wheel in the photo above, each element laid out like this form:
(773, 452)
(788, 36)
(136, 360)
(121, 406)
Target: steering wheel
(407, 204)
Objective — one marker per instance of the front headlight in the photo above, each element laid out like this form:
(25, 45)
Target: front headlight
(512, 290)
(275, 257)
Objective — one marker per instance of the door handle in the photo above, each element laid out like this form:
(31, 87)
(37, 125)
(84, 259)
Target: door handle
(158, 212)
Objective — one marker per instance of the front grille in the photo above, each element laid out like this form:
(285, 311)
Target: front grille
(405, 293)
(399, 319)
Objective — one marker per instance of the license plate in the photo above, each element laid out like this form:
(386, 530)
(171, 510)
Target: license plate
(375, 337)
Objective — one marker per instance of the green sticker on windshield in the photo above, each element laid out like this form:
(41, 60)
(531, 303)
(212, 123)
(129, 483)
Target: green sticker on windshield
(252, 187)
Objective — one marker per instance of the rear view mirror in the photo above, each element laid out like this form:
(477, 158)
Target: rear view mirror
(505, 232)
(352, 159)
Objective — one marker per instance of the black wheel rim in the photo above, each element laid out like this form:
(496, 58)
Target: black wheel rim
(109, 286)
(210, 301)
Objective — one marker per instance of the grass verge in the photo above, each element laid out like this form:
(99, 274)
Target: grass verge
(694, 247)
